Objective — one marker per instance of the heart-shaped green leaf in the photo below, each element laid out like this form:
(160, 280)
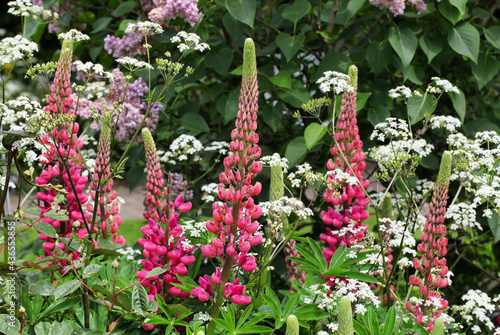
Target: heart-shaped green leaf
(290, 45)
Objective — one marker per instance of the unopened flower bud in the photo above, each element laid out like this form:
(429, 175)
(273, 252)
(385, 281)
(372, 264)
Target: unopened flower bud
(115, 264)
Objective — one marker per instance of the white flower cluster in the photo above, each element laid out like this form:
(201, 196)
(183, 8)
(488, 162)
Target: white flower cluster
(398, 235)
(193, 229)
(93, 69)
(400, 151)
(400, 91)
(144, 28)
(19, 115)
(478, 167)
(182, 147)
(450, 123)
(26, 8)
(189, 41)
(74, 35)
(305, 176)
(477, 308)
(219, 146)
(210, 191)
(286, 206)
(392, 128)
(275, 160)
(442, 84)
(133, 64)
(130, 253)
(463, 216)
(333, 81)
(16, 48)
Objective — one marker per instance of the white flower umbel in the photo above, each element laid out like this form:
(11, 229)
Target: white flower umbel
(210, 192)
(92, 69)
(286, 206)
(273, 161)
(445, 85)
(74, 35)
(220, 146)
(180, 150)
(189, 41)
(144, 28)
(400, 91)
(333, 81)
(463, 216)
(16, 48)
(392, 128)
(133, 64)
(477, 308)
(450, 123)
(26, 8)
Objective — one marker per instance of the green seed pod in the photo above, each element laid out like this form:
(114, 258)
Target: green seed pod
(438, 327)
(386, 207)
(346, 326)
(292, 325)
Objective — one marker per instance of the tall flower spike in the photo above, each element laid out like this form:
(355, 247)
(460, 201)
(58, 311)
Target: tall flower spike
(348, 157)
(63, 152)
(156, 192)
(108, 207)
(233, 226)
(431, 268)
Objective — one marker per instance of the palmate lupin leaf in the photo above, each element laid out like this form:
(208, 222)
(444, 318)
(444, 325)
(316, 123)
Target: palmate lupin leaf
(342, 264)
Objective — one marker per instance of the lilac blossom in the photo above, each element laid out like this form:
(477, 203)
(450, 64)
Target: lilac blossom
(169, 9)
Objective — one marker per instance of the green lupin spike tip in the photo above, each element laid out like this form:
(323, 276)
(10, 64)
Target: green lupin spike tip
(147, 138)
(386, 207)
(353, 76)
(292, 325)
(277, 188)
(438, 327)
(346, 326)
(445, 168)
(249, 72)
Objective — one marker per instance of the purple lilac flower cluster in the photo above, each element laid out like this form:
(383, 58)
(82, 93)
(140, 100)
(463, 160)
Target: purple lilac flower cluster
(167, 9)
(134, 107)
(397, 7)
(130, 45)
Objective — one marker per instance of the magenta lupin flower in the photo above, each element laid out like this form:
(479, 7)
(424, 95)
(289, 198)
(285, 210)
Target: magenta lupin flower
(164, 246)
(431, 267)
(234, 222)
(349, 208)
(155, 190)
(63, 159)
(107, 209)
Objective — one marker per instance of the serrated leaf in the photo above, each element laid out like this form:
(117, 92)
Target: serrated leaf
(107, 244)
(43, 288)
(404, 42)
(66, 288)
(155, 272)
(140, 299)
(313, 134)
(59, 305)
(33, 210)
(296, 11)
(46, 229)
(91, 269)
(464, 40)
(242, 10)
